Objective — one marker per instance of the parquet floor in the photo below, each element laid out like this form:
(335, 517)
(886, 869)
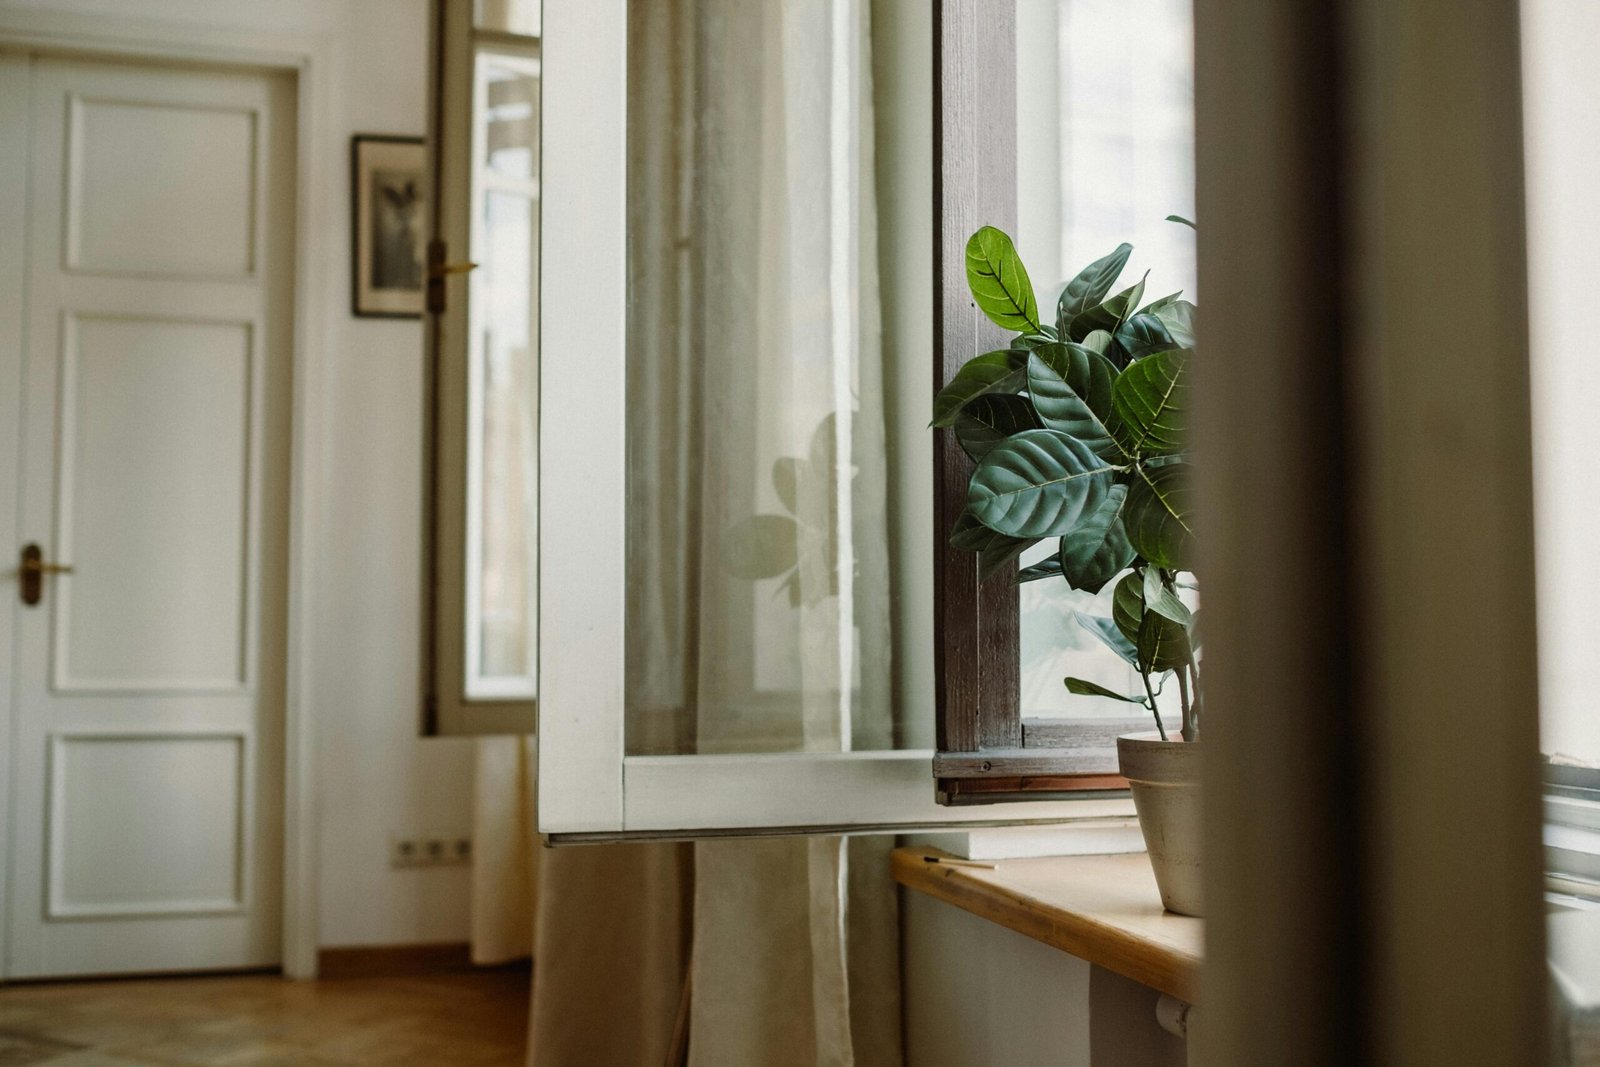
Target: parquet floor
(456, 1020)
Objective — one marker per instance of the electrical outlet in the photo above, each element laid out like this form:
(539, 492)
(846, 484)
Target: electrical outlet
(404, 852)
(430, 850)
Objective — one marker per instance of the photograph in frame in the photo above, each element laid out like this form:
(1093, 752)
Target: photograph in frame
(389, 224)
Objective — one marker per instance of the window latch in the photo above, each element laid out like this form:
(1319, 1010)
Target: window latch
(440, 269)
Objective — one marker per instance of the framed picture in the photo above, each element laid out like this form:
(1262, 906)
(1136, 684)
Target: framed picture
(389, 226)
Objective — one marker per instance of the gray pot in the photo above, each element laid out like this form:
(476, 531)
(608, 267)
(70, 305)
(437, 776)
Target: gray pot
(1165, 778)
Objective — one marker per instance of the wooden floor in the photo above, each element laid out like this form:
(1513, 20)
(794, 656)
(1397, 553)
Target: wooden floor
(475, 1019)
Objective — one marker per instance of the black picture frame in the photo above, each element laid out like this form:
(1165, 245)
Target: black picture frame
(389, 214)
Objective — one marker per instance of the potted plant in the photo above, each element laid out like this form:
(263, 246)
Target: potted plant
(1077, 430)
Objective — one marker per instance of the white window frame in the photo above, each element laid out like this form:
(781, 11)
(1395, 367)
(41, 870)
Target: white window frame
(589, 787)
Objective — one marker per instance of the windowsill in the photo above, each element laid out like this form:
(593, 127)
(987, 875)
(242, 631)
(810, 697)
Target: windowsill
(1103, 909)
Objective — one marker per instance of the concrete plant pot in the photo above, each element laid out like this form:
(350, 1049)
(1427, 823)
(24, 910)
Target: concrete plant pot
(1165, 778)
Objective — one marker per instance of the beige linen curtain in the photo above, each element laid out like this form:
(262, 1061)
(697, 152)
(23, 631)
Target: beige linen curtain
(607, 925)
(505, 861)
(758, 574)
(756, 406)
(753, 125)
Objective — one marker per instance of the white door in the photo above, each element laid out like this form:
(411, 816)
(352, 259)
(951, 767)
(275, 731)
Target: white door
(146, 687)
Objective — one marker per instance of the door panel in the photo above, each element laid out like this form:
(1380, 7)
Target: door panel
(160, 187)
(156, 454)
(108, 790)
(145, 834)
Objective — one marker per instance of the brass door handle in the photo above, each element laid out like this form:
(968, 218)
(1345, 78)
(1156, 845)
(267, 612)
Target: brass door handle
(32, 568)
(442, 270)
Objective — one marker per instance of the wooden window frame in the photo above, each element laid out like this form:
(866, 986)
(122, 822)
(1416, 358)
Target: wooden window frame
(448, 707)
(986, 751)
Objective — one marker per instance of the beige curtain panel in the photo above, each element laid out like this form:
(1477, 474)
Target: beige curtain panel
(756, 450)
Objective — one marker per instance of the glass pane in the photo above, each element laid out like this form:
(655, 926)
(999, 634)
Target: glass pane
(1105, 152)
(503, 380)
(511, 108)
(507, 16)
(779, 215)
(1561, 89)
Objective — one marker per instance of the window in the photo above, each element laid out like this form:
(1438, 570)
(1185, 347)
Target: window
(737, 516)
(483, 300)
(1104, 153)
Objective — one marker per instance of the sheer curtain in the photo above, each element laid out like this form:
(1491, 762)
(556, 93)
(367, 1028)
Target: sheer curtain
(758, 571)
(759, 611)
(505, 861)
(607, 925)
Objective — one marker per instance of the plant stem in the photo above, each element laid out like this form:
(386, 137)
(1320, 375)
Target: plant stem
(1194, 679)
(1188, 709)
(1160, 728)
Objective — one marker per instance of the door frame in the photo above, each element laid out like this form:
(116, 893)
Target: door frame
(309, 60)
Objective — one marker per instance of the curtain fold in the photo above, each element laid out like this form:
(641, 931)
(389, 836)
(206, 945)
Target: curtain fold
(611, 954)
(506, 852)
(607, 926)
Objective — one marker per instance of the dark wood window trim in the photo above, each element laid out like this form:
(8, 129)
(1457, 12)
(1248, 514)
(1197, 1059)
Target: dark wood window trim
(985, 751)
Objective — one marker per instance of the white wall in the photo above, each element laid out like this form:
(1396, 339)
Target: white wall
(977, 994)
(376, 777)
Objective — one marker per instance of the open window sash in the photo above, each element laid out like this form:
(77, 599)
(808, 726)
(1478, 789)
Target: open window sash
(480, 646)
(594, 780)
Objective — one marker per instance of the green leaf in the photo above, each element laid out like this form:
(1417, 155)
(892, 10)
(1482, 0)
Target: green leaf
(989, 419)
(1040, 483)
(1106, 630)
(1098, 550)
(1071, 391)
(1158, 518)
(1157, 305)
(1107, 315)
(995, 550)
(1090, 286)
(999, 282)
(1083, 688)
(1049, 567)
(1184, 221)
(1144, 334)
(1178, 317)
(1160, 598)
(1151, 399)
(1001, 371)
(1097, 341)
(761, 546)
(1160, 643)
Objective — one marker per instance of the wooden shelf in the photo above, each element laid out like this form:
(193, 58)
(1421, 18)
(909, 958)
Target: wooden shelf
(1103, 909)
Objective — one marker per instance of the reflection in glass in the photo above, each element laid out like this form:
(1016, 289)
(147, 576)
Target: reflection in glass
(761, 592)
(503, 378)
(521, 17)
(1105, 152)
